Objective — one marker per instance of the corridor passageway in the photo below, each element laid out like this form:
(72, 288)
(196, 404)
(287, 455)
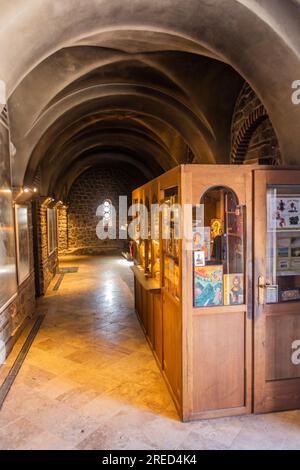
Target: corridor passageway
(90, 380)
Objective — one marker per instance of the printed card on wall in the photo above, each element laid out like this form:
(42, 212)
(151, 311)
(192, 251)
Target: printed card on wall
(199, 258)
(201, 240)
(208, 285)
(233, 289)
(287, 212)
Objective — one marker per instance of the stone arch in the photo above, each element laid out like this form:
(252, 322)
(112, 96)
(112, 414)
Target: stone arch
(249, 115)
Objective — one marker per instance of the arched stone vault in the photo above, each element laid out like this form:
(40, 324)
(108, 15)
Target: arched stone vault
(153, 82)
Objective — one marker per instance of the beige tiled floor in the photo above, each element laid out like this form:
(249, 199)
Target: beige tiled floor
(90, 380)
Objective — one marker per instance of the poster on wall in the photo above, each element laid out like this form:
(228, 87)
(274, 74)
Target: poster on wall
(8, 275)
(208, 285)
(201, 240)
(288, 254)
(285, 212)
(22, 242)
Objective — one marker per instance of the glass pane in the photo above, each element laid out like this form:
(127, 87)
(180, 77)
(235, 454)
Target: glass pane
(283, 244)
(52, 230)
(218, 244)
(8, 279)
(23, 243)
(170, 219)
(155, 239)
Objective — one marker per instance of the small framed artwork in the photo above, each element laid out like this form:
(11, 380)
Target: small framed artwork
(201, 240)
(216, 228)
(233, 289)
(199, 258)
(208, 286)
(22, 238)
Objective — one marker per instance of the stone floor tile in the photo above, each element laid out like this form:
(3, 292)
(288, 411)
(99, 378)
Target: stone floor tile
(90, 380)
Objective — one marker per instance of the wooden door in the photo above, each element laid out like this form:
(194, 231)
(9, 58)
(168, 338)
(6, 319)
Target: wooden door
(277, 290)
(217, 333)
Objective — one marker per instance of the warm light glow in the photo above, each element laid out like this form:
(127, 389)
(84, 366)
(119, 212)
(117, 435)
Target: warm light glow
(125, 262)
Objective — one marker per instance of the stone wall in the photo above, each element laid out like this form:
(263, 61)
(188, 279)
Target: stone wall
(12, 318)
(62, 229)
(90, 190)
(253, 136)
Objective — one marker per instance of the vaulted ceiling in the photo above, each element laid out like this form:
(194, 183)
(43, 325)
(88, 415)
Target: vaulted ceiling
(151, 84)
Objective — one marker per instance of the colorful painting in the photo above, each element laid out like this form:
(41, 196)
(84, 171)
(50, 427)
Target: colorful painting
(208, 285)
(233, 289)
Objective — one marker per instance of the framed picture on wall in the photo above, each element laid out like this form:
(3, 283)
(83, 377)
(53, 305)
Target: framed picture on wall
(208, 285)
(22, 239)
(8, 275)
(52, 230)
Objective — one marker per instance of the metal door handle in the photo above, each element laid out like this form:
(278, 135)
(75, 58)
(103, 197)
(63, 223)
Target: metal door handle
(262, 285)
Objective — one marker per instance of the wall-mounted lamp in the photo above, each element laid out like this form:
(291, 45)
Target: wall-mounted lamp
(2, 93)
(12, 149)
(5, 191)
(24, 194)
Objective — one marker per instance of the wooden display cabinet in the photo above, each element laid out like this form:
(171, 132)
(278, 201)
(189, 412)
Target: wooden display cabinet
(203, 305)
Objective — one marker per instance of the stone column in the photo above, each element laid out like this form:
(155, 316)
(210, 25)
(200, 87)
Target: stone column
(62, 227)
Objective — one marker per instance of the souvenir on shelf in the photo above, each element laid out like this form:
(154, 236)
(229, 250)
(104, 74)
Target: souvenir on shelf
(166, 272)
(156, 259)
(171, 276)
(176, 281)
(289, 295)
(141, 246)
(170, 220)
(208, 285)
